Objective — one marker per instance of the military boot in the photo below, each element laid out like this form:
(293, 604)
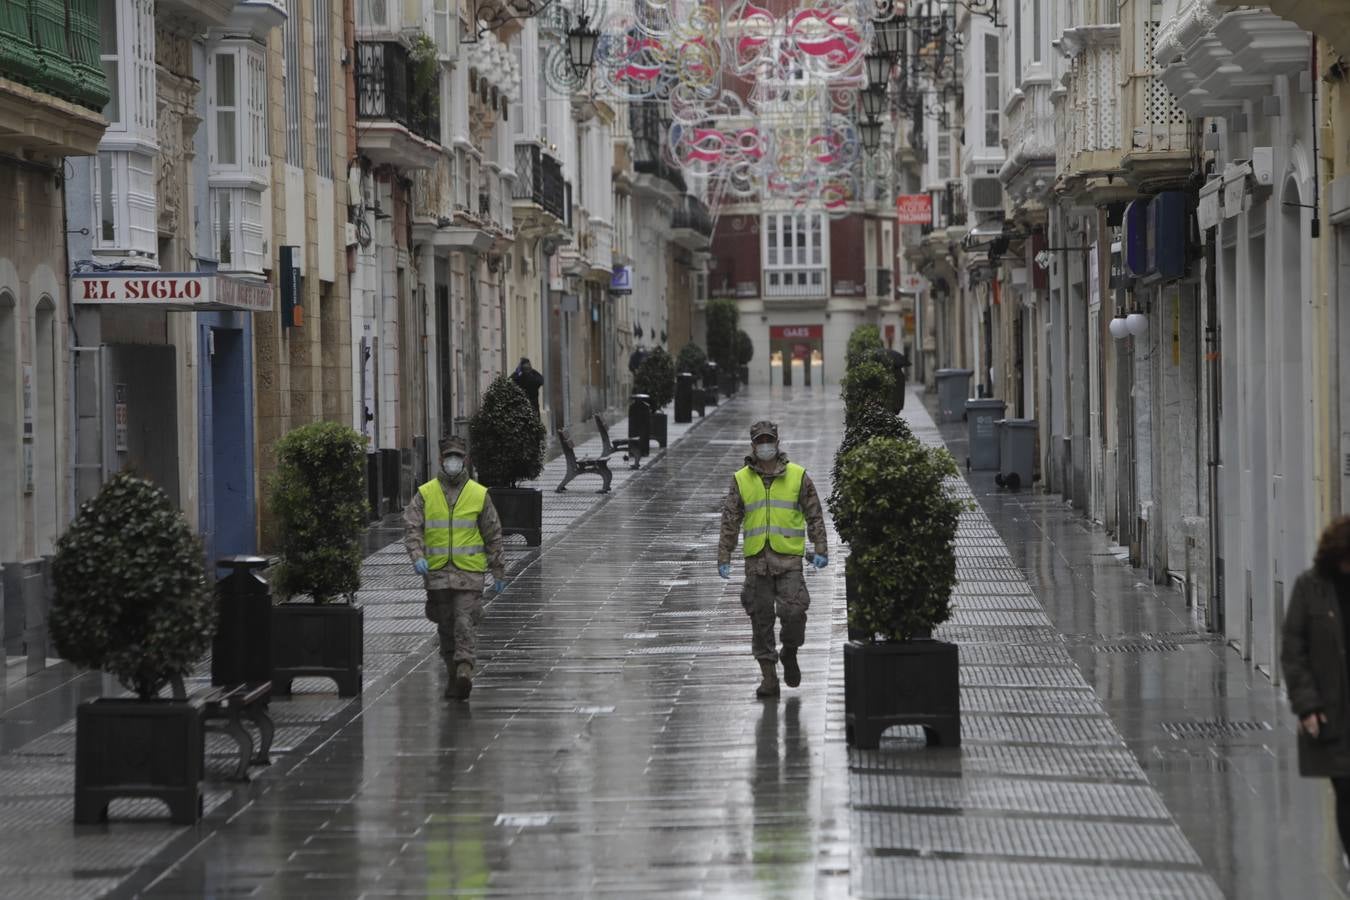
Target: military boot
(463, 681)
(768, 687)
(792, 676)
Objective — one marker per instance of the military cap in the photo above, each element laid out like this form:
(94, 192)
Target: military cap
(453, 443)
(761, 428)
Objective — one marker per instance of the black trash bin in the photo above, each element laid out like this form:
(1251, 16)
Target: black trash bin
(639, 426)
(684, 398)
(241, 649)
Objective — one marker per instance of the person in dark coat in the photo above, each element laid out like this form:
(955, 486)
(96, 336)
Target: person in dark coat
(528, 379)
(1316, 668)
(898, 363)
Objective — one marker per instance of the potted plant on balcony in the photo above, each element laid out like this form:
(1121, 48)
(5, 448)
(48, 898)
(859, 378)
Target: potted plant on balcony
(893, 506)
(318, 497)
(745, 351)
(656, 378)
(506, 445)
(131, 600)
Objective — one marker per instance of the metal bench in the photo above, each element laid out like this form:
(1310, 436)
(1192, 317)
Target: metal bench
(609, 448)
(590, 466)
(224, 711)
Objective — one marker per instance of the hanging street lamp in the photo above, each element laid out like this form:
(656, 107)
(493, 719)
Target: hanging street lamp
(581, 41)
(873, 100)
(870, 132)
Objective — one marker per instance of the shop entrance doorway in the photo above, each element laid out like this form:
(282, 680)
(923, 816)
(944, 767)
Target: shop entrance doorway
(796, 354)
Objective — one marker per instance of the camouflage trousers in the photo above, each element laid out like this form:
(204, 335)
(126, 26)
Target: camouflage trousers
(782, 596)
(456, 614)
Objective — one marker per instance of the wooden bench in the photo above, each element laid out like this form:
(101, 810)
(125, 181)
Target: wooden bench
(609, 448)
(224, 711)
(591, 466)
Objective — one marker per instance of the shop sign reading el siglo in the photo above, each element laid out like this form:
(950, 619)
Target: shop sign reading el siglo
(171, 291)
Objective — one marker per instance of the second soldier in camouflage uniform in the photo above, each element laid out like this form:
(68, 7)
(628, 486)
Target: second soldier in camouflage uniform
(465, 525)
(779, 507)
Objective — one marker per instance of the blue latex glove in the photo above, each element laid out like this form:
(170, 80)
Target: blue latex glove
(724, 569)
(819, 560)
(498, 585)
(421, 567)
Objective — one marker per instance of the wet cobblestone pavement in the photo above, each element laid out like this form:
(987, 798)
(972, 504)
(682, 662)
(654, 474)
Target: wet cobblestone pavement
(613, 746)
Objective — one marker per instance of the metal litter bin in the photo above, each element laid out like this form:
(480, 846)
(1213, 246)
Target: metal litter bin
(953, 387)
(984, 450)
(1017, 453)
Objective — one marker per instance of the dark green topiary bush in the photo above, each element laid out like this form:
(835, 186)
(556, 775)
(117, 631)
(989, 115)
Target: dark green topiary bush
(319, 498)
(656, 378)
(745, 348)
(506, 437)
(866, 384)
(131, 596)
(864, 344)
(869, 421)
(901, 518)
(723, 317)
(691, 359)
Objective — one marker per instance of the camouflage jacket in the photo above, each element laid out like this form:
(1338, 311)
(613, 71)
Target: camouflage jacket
(451, 578)
(769, 561)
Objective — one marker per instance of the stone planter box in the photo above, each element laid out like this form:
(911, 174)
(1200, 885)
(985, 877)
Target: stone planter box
(914, 682)
(311, 640)
(125, 747)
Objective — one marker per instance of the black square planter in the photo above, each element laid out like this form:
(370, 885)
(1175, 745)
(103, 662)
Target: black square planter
(902, 683)
(138, 748)
(317, 641)
(521, 511)
(660, 426)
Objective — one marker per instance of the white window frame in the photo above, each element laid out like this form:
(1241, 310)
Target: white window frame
(323, 87)
(993, 100)
(235, 202)
(799, 265)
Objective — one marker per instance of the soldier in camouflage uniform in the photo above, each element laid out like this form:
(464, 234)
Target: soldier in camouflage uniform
(452, 549)
(778, 505)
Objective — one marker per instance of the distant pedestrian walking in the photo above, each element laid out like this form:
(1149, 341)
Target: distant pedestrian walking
(1317, 668)
(528, 379)
(454, 537)
(777, 504)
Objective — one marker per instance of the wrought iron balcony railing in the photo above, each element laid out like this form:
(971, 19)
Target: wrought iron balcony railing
(53, 46)
(692, 213)
(386, 90)
(539, 180)
(650, 132)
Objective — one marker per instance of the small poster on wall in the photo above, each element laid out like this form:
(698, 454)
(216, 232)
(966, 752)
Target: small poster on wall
(28, 400)
(120, 418)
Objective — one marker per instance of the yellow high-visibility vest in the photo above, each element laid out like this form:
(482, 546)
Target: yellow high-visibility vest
(454, 537)
(774, 516)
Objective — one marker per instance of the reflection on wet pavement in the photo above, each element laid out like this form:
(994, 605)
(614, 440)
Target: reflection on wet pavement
(613, 746)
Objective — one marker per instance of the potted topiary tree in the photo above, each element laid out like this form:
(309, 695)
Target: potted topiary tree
(868, 419)
(722, 317)
(894, 507)
(864, 343)
(506, 445)
(865, 384)
(131, 600)
(318, 497)
(745, 351)
(656, 378)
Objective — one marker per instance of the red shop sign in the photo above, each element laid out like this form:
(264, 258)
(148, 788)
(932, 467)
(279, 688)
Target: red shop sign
(914, 209)
(796, 332)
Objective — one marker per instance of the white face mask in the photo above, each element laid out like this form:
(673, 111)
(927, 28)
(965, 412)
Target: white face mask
(766, 451)
(452, 465)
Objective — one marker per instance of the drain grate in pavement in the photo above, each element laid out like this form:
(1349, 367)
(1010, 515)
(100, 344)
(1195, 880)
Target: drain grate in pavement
(1190, 729)
(1136, 647)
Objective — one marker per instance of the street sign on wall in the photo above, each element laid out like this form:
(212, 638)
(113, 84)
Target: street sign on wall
(914, 209)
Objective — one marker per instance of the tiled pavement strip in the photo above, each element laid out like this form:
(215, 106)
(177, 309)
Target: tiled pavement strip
(612, 747)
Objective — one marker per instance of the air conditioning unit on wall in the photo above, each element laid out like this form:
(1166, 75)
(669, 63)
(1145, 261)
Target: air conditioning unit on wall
(986, 193)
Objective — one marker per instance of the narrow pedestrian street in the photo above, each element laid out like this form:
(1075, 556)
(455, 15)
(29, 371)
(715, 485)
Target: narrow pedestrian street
(613, 745)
